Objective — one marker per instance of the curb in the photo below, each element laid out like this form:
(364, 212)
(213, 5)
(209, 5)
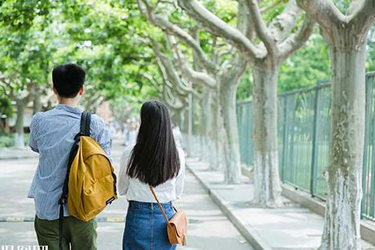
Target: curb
(18, 157)
(15, 154)
(111, 219)
(247, 232)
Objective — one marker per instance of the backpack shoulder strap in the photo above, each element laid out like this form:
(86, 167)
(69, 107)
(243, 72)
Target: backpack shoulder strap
(85, 123)
(85, 131)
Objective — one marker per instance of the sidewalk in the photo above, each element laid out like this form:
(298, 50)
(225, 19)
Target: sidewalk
(209, 228)
(16, 153)
(291, 227)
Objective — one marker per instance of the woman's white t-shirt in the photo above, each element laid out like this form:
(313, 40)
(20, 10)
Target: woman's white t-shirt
(135, 190)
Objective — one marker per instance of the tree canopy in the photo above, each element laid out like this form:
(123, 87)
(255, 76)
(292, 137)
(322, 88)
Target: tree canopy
(110, 39)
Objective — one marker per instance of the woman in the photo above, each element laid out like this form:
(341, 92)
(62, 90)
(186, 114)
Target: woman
(154, 161)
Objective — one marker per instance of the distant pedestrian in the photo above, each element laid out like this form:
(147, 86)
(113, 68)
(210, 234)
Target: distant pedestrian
(132, 134)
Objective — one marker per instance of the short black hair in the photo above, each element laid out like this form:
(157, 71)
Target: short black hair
(68, 79)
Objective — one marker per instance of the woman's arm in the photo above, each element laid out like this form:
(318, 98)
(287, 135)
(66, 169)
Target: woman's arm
(124, 179)
(180, 180)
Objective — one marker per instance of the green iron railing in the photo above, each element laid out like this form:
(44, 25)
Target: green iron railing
(368, 174)
(304, 123)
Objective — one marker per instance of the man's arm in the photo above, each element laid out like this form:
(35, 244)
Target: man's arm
(101, 133)
(33, 144)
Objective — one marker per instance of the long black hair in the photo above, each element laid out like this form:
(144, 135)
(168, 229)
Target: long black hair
(154, 158)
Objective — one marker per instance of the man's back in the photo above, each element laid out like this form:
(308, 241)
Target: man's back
(52, 135)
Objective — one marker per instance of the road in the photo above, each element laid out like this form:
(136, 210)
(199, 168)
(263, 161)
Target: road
(208, 228)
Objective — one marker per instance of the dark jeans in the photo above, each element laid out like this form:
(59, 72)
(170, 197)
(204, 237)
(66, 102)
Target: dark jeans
(77, 234)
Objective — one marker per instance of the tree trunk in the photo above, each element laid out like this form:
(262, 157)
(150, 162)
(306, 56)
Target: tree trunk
(190, 127)
(203, 129)
(214, 135)
(231, 142)
(2, 126)
(342, 220)
(7, 128)
(19, 139)
(208, 120)
(37, 105)
(181, 119)
(267, 189)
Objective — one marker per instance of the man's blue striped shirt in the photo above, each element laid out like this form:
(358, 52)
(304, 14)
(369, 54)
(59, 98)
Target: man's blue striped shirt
(51, 135)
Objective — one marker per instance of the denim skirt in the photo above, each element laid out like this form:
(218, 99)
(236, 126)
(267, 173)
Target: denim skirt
(146, 228)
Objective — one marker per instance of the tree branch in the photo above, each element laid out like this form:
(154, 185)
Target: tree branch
(173, 76)
(198, 77)
(171, 28)
(220, 28)
(244, 22)
(354, 6)
(9, 85)
(282, 25)
(163, 73)
(170, 73)
(261, 27)
(270, 7)
(234, 70)
(190, 74)
(152, 81)
(297, 40)
(4, 89)
(168, 98)
(323, 11)
(363, 15)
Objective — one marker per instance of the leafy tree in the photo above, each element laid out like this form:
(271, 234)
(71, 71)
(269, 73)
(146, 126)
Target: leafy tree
(345, 27)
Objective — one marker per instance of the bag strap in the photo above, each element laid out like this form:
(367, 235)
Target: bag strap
(84, 131)
(85, 123)
(160, 206)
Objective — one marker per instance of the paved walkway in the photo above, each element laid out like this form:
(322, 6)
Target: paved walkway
(209, 228)
(291, 227)
(16, 153)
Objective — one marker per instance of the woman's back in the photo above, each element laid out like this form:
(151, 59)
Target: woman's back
(154, 161)
(135, 190)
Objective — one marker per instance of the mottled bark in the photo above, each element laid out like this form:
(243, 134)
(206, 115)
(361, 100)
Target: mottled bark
(2, 126)
(207, 121)
(342, 225)
(202, 130)
(214, 133)
(190, 126)
(19, 137)
(37, 104)
(347, 38)
(267, 191)
(231, 141)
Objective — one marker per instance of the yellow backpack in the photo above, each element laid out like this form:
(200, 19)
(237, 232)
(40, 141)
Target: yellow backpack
(90, 183)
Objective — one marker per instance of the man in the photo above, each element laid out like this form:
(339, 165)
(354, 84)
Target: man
(52, 135)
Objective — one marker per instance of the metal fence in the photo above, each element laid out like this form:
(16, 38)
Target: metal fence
(304, 124)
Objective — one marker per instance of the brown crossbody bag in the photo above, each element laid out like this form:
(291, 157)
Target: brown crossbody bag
(176, 226)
